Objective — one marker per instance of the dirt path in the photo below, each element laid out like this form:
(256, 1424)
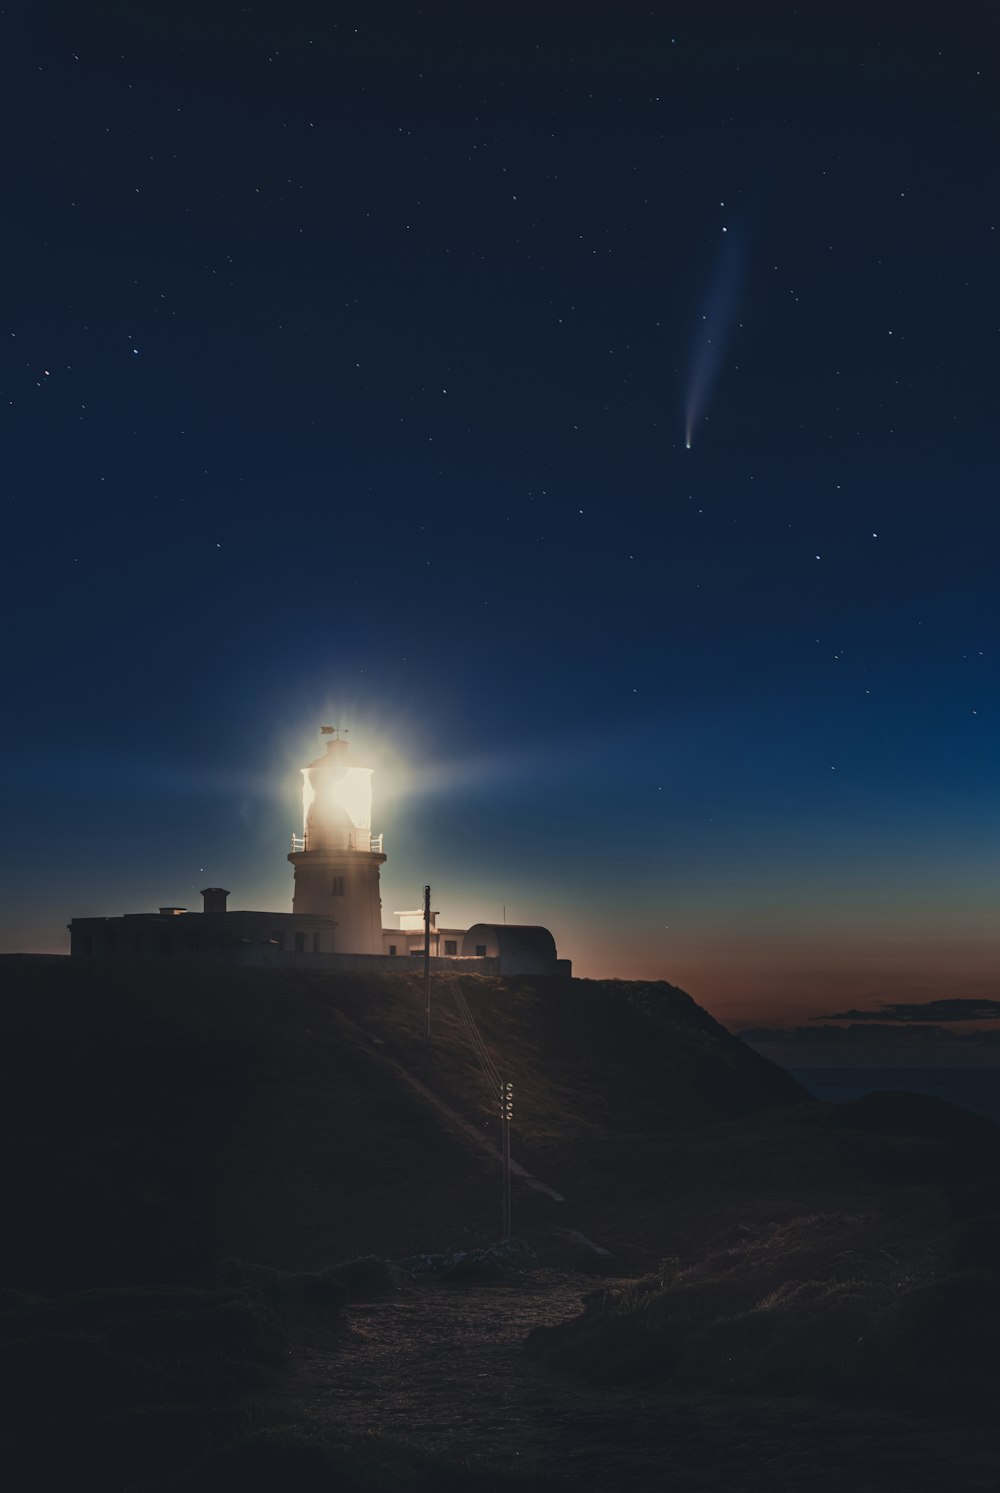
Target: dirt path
(443, 1367)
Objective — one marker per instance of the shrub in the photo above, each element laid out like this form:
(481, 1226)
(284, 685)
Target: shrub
(316, 1295)
(797, 1308)
(368, 1278)
(668, 1270)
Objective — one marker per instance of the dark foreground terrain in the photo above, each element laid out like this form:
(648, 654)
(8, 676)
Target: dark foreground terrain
(246, 1244)
(445, 1369)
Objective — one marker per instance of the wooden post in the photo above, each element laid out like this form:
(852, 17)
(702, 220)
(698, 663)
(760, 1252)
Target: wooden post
(427, 955)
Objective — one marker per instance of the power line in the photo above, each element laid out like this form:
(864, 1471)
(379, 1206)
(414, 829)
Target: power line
(475, 1037)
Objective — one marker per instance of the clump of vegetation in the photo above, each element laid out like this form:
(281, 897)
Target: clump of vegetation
(317, 1296)
(668, 1270)
(818, 1306)
(369, 1278)
(505, 1260)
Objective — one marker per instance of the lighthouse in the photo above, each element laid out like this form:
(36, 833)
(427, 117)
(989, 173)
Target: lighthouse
(336, 917)
(337, 858)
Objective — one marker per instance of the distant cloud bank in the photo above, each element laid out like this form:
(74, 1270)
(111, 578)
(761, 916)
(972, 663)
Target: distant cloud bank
(867, 1032)
(922, 1011)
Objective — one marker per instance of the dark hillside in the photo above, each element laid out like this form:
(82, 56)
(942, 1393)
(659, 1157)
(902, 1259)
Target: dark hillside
(165, 1118)
(586, 1055)
(192, 1150)
(168, 1115)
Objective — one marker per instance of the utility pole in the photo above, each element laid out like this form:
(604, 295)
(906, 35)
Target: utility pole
(427, 955)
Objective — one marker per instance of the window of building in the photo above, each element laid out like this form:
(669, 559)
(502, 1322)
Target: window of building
(337, 887)
(300, 943)
(315, 943)
(451, 946)
(480, 951)
(418, 953)
(392, 948)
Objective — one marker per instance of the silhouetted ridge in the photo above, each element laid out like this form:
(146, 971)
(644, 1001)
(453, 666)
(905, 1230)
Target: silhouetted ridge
(900, 1112)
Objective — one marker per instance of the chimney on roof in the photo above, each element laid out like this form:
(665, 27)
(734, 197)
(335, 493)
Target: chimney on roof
(215, 898)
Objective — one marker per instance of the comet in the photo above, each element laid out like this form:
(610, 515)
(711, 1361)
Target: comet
(712, 334)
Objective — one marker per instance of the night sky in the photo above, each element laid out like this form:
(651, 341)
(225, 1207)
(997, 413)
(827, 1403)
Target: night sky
(348, 360)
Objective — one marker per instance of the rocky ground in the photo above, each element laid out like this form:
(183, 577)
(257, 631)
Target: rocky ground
(442, 1367)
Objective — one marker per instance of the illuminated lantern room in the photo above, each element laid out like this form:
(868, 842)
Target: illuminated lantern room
(336, 858)
(336, 801)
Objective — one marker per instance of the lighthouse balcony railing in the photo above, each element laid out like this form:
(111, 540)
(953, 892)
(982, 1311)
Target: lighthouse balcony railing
(361, 839)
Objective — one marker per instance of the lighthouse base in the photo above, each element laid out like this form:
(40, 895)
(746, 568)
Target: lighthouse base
(342, 885)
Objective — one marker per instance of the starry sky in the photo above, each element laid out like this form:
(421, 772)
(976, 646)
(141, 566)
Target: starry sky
(592, 408)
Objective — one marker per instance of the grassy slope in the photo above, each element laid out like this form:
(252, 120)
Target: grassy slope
(877, 1281)
(168, 1115)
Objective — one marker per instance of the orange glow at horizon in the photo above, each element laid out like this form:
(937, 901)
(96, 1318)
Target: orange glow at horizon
(754, 981)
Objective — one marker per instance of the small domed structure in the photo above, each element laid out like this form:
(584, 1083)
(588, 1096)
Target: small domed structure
(520, 948)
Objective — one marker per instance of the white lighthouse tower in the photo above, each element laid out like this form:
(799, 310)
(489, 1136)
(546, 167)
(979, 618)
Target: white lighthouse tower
(336, 858)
